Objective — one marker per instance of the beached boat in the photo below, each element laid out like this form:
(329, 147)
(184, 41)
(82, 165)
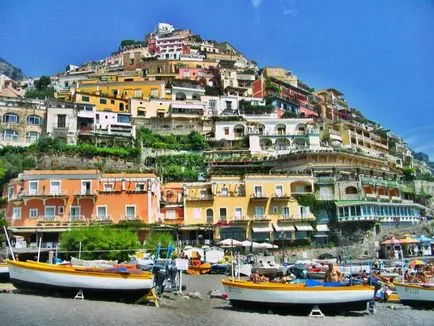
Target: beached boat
(416, 294)
(298, 297)
(65, 278)
(4, 271)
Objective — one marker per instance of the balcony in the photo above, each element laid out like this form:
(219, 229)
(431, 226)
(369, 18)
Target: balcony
(281, 196)
(371, 196)
(285, 217)
(201, 198)
(174, 221)
(101, 219)
(43, 195)
(325, 180)
(384, 197)
(87, 193)
(259, 218)
(259, 196)
(44, 219)
(396, 198)
(79, 219)
(131, 218)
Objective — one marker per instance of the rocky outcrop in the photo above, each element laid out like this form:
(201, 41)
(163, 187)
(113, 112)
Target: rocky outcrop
(11, 71)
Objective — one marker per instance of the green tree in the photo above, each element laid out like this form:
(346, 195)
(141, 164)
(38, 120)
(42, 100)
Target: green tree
(42, 83)
(163, 238)
(100, 243)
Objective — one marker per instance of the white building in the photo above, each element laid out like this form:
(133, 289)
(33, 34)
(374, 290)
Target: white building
(217, 105)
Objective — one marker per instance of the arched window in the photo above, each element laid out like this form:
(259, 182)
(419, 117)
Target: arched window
(34, 120)
(10, 118)
(350, 190)
(281, 129)
(180, 96)
(9, 135)
(209, 216)
(33, 136)
(239, 131)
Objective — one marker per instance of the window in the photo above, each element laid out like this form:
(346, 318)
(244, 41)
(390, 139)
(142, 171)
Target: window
(16, 213)
(285, 211)
(9, 135)
(138, 93)
(108, 187)
(33, 188)
(85, 98)
(275, 209)
(238, 214)
(101, 211)
(180, 96)
(60, 210)
(224, 192)
(197, 212)
(160, 69)
(226, 131)
(33, 213)
(34, 120)
(10, 118)
(112, 101)
(258, 191)
(228, 105)
(86, 187)
(141, 113)
(55, 187)
(50, 212)
(223, 214)
(33, 136)
(305, 211)
(259, 211)
(130, 212)
(61, 120)
(171, 214)
(140, 187)
(209, 216)
(123, 118)
(74, 213)
(279, 191)
(121, 106)
(102, 101)
(212, 104)
(10, 192)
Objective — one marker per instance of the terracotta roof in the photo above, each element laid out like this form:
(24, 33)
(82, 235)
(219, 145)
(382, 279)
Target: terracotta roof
(49, 172)
(128, 175)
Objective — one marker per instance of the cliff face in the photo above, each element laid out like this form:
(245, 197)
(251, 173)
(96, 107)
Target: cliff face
(11, 71)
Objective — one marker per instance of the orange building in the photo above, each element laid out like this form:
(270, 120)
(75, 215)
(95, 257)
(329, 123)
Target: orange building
(173, 211)
(53, 201)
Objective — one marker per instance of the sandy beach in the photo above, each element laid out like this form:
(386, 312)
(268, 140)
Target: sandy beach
(31, 309)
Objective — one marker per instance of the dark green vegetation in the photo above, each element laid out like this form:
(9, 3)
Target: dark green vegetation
(185, 167)
(100, 243)
(164, 239)
(42, 89)
(191, 142)
(125, 43)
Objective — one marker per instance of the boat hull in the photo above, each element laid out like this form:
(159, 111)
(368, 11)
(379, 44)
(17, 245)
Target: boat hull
(297, 297)
(4, 272)
(66, 279)
(415, 294)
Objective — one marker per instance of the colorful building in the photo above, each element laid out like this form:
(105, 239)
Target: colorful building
(54, 201)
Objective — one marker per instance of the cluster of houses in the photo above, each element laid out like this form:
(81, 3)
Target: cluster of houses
(309, 142)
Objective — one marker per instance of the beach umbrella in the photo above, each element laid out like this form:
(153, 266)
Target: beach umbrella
(392, 241)
(422, 238)
(246, 243)
(415, 262)
(254, 245)
(267, 245)
(229, 243)
(408, 240)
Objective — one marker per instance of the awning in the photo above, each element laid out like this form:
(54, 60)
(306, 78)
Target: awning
(285, 227)
(322, 228)
(303, 227)
(261, 228)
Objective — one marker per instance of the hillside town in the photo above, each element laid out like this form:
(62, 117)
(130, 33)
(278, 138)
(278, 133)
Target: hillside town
(189, 136)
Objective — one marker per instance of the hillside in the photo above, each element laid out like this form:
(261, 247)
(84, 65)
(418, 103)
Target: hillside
(11, 71)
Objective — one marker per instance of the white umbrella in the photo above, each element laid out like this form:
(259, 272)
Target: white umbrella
(229, 243)
(267, 245)
(254, 245)
(246, 243)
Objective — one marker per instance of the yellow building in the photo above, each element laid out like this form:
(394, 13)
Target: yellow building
(102, 102)
(258, 207)
(123, 88)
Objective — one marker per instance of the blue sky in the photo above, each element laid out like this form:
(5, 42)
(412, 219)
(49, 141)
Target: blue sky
(380, 54)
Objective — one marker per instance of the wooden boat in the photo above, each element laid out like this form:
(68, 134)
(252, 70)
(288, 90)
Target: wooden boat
(65, 278)
(315, 275)
(4, 272)
(200, 269)
(298, 297)
(416, 294)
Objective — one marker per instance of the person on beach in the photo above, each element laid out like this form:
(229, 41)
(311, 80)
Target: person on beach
(333, 274)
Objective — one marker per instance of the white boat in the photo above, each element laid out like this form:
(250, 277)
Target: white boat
(4, 271)
(355, 269)
(416, 294)
(300, 297)
(66, 278)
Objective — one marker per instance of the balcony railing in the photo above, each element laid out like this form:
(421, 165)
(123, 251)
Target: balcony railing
(260, 217)
(102, 219)
(285, 217)
(281, 196)
(131, 218)
(49, 218)
(77, 218)
(201, 198)
(259, 196)
(88, 193)
(30, 193)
